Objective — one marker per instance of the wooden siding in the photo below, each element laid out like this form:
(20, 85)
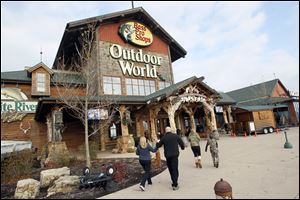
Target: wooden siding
(62, 90)
(279, 91)
(263, 118)
(73, 135)
(37, 133)
(34, 82)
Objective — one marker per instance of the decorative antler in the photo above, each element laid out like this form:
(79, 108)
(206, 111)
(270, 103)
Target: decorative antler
(25, 130)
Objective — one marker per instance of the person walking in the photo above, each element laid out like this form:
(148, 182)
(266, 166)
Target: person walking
(143, 151)
(213, 145)
(171, 151)
(194, 139)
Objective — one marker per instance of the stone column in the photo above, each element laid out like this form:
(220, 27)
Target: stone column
(125, 143)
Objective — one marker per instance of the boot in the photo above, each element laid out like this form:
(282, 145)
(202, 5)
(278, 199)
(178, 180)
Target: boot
(199, 163)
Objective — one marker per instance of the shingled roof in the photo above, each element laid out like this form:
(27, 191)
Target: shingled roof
(259, 94)
(22, 76)
(15, 76)
(225, 99)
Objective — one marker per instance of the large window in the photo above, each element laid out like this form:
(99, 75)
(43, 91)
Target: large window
(139, 87)
(112, 85)
(40, 82)
(163, 84)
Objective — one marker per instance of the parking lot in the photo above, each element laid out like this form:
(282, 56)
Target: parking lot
(256, 167)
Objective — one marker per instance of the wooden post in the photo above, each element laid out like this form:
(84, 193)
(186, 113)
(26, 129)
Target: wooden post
(224, 114)
(124, 127)
(102, 138)
(153, 114)
(125, 134)
(190, 112)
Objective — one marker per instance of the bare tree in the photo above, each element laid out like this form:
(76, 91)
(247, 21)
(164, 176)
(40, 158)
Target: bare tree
(77, 85)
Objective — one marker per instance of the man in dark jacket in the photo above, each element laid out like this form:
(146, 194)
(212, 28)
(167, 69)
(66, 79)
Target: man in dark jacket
(171, 141)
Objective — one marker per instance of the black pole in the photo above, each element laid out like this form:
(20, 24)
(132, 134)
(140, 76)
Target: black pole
(132, 5)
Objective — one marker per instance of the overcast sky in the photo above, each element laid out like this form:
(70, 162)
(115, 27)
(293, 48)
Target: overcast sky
(231, 44)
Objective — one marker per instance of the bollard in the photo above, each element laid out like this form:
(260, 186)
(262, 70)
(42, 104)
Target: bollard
(277, 131)
(223, 190)
(287, 145)
(254, 133)
(245, 134)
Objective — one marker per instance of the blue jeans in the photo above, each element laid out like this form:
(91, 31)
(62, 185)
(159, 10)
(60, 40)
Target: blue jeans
(146, 164)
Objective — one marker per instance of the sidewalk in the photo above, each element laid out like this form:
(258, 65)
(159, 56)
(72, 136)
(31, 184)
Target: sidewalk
(256, 167)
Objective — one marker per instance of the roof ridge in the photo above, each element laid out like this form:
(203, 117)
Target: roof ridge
(254, 85)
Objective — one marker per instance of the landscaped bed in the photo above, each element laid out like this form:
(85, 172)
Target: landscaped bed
(128, 172)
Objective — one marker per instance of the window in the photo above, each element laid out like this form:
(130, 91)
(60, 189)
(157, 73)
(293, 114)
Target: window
(139, 87)
(40, 82)
(112, 85)
(163, 84)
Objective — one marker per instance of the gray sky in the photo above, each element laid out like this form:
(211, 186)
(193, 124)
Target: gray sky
(231, 44)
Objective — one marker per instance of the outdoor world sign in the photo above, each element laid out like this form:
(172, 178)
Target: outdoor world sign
(136, 33)
(127, 58)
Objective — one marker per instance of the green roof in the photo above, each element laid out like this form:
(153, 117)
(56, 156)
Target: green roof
(171, 89)
(225, 99)
(22, 76)
(254, 92)
(15, 76)
(260, 107)
(266, 101)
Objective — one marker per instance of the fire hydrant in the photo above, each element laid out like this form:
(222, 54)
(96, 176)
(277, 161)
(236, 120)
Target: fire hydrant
(223, 190)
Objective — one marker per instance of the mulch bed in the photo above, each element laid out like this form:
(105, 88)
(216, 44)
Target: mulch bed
(128, 173)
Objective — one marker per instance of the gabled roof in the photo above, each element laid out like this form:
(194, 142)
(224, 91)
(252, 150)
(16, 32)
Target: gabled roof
(73, 29)
(41, 64)
(258, 91)
(225, 99)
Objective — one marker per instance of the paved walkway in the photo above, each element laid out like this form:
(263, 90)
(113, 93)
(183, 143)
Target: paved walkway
(256, 167)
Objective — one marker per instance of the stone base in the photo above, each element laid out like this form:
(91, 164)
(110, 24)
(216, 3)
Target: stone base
(125, 144)
(58, 155)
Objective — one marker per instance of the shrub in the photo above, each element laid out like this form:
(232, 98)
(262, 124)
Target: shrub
(94, 149)
(17, 164)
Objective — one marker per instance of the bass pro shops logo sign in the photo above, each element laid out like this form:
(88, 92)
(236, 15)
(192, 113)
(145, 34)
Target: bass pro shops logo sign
(136, 33)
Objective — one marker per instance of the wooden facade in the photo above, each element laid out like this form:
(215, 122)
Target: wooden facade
(262, 118)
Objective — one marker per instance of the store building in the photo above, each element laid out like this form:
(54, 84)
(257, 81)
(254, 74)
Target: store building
(267, 105)
(133, 68)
